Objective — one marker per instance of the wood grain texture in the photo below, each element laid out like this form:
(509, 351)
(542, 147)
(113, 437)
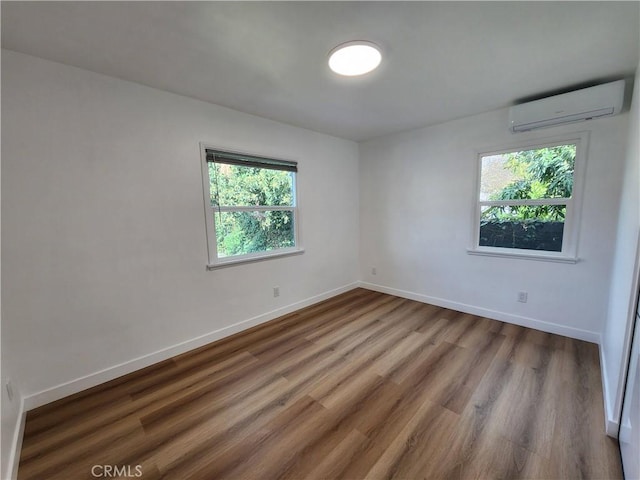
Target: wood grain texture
(361, 386)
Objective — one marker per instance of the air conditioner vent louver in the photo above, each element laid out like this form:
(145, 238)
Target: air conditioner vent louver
(593, 102)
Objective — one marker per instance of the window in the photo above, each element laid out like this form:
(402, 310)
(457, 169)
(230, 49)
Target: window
(528, 200)
(250, 206)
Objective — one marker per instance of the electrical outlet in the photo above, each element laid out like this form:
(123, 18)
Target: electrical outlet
(276, 291)
(522, 297)
(9, 387)
(374, 271)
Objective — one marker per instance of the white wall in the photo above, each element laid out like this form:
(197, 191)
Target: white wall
(416, 206)
(103, 233)
(617, 332)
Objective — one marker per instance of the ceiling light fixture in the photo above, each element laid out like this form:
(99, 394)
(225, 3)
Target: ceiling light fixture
(355, 58)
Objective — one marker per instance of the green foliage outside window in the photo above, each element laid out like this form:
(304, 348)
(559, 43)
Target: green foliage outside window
(248, 231)
(543, 173)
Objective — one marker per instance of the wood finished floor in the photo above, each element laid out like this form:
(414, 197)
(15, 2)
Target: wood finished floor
(364, 385)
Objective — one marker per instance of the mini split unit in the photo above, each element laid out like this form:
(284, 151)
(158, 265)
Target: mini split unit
(593, 102)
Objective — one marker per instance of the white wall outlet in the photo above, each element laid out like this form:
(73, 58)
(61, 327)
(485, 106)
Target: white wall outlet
(522, 297)
(9, 387)
(374, 271)
(276, 291)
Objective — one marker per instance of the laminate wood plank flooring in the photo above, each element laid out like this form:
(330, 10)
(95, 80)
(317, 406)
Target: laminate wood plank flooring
(361, 386)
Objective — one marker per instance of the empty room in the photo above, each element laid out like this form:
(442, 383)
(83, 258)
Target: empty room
(320, 240)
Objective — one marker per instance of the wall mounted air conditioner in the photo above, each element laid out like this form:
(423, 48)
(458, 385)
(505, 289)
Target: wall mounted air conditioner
(599, 101)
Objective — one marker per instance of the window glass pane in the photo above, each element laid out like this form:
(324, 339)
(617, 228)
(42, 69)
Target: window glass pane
(538, 227)
(239, 233)
(238, 186)
(529, 174)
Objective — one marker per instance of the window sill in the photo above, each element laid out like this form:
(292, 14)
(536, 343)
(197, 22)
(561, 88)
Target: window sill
(523, 255)
(253, 258)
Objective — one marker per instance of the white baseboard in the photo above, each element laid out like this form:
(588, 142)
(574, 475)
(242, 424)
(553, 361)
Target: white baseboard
(549, 327)
(16, 444)
(79, 384)
(610, 423)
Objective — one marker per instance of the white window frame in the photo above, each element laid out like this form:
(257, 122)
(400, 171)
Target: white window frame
(569, 252)
(216, 262)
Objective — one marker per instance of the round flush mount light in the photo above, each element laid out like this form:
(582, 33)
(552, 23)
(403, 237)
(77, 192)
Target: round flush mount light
(354, 58)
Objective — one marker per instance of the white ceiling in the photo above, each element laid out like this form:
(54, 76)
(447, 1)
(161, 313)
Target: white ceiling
(442, 60)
